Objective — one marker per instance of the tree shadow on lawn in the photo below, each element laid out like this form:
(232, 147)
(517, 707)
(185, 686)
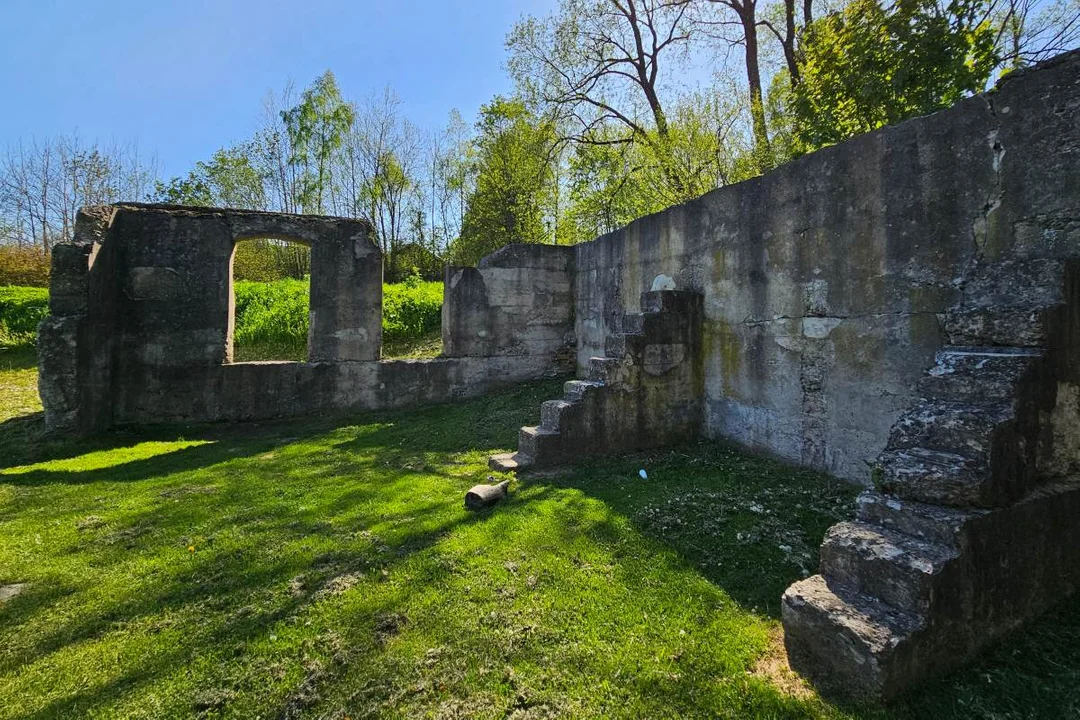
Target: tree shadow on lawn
(347, 507)
(751, 525)
(733, 518)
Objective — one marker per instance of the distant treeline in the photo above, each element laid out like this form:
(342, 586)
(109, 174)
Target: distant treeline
(620, 108)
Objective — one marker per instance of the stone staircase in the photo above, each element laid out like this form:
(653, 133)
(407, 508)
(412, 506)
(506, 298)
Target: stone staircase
(645, 392)
(931, 567)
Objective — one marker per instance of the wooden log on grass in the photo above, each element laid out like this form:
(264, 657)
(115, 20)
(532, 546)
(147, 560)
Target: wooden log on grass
(482, 496)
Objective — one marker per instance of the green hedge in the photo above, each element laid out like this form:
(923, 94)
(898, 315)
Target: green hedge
(269, 315)
(21, 309)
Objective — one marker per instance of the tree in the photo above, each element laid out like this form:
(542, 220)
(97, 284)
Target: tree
(229, 179)
(512, 200)
(597, 63)
(43, 183)
(317, 127)
(869, 66)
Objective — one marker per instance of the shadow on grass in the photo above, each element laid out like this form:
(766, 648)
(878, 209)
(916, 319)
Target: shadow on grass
(17, 357)
(727, 516)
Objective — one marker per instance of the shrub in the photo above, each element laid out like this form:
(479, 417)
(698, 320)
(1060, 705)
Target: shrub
(272, 314)
(411, 310)
(23, 266)
(275, 315)
(272, 317)
(21, 309)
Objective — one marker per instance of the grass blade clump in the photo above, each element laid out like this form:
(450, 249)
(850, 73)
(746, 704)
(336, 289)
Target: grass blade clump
(21, 309)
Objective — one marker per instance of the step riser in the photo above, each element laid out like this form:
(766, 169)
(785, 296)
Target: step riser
(575, 390)
(1008, 327)
(971, 432)
(538, 446)
(550, 413)
(963, 376)
(929, 523)
(975, 484)
(602, 369)
(895, 585)
(896, 568)
(844, 648)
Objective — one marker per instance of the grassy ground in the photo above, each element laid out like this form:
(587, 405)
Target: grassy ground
(327, 569)
(428, 345)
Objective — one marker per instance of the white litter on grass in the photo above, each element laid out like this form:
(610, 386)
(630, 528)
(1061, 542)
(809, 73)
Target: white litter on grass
(644, 475)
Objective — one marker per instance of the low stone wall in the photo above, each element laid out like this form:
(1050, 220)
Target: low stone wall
(517, 302)
(142, 317)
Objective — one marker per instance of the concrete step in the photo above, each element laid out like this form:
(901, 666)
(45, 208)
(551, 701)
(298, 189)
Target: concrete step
(630, 324)
(966, 428)
(938, 478)
(978, 373)
(575, 390)
(681, 302)
(538, 443)
(1013, 326)
(509, 462)
(898, 568)
(601, 368)
(550, 412)
(1038, 282)
(928, 523)
(834, 633)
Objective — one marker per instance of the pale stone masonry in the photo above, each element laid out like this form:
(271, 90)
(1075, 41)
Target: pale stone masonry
(899, 310)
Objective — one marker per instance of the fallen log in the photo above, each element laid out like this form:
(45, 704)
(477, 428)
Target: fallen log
(482, 496)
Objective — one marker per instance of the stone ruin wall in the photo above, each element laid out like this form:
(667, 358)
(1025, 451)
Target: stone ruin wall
(825, 280)
(141, 323)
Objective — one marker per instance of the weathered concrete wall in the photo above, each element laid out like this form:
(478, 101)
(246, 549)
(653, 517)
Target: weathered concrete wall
(824, 279)
(517, 302)
(142, 321)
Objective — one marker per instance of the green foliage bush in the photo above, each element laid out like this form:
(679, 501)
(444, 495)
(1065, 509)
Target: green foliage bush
(21, 309)
(268, 315)
(23, 266)
(275, 315)
(411, 309)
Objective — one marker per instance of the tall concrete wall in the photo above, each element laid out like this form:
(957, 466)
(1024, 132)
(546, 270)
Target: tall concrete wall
(825, 280)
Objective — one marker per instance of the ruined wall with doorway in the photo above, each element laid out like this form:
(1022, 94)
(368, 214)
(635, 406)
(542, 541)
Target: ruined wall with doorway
(142, 316)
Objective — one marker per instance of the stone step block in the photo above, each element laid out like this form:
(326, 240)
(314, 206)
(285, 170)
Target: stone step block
(952, 479)
(539, 444)
(965, 428)
(509, 462)
(900, 569)
(846, 641)
(978, 373)
(550, 412)
(631, 324)
(684, 302)
(1038, 282)
(601, 368)
(615, 346)
(575, 390)
(1012, 326)
(928, 523)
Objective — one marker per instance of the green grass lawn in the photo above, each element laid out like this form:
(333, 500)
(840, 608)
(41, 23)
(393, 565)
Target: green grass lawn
(326, 568)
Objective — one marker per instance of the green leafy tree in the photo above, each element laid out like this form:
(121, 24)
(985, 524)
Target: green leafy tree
(317, 127)
(512, 200)
(872, 65)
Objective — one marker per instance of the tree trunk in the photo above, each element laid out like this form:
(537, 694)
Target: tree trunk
(753, 77)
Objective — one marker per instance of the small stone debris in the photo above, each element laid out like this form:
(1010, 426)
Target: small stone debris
(7, 592)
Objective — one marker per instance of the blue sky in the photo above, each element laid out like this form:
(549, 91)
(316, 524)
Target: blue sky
(185, 78)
